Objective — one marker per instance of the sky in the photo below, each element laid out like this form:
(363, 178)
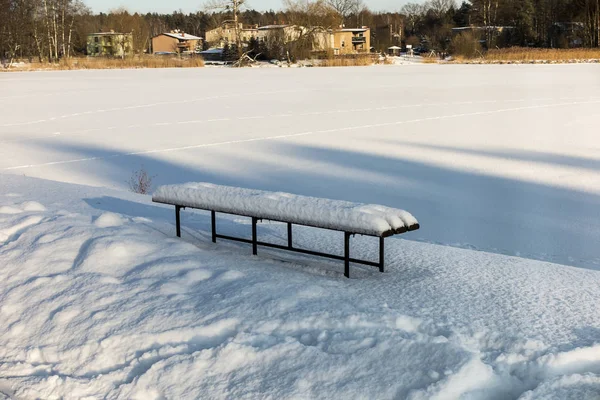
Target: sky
(162, 6)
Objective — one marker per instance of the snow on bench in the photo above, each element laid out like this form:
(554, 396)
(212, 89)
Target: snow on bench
(365, 219)
(350, 218)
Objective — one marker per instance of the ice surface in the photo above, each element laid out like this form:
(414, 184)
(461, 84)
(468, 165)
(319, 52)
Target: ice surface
(122, 309)
(367, 219)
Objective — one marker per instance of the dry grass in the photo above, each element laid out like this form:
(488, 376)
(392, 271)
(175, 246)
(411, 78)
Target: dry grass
(430, 60)
(530, 55)
(146, 61)
(462, 59)
(360, 60)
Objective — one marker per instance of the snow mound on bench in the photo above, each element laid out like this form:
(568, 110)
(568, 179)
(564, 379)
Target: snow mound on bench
(367, 219)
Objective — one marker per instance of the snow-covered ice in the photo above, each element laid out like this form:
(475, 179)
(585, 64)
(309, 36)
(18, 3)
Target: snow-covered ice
(99, 300)
(366, 219)
(500, 158)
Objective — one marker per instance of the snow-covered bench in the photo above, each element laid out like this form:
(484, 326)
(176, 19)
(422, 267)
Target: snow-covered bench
(343, 216)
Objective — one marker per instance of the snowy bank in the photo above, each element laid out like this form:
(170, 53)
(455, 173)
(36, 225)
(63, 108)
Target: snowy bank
(98, 299)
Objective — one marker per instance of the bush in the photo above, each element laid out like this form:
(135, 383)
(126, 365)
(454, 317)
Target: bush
(466, 45)
(140, 181)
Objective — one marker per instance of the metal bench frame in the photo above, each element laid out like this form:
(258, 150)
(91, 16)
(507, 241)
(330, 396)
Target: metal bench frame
(290, 247)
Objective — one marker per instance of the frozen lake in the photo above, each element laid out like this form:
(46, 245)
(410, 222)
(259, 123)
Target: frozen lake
(500, 158)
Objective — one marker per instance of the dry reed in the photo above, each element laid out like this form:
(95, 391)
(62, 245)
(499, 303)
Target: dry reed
(533, 55)
(360, 60)
(430, 60)
(146, 61)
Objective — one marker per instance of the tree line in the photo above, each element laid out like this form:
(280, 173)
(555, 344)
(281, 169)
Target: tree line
(48, 30)
(531, 23)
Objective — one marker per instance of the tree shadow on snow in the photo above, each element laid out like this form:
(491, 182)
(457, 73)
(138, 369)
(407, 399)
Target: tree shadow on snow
(458, 208)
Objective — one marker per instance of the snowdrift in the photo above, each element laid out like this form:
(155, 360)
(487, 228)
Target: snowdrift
(99, 300)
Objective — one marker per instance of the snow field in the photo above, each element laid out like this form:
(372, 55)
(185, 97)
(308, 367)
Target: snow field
(100, 300)
(496, 158)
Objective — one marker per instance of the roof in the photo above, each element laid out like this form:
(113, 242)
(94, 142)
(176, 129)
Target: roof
(366, 219)
(180, 36)
(107, 34)
(354, 29)
(272, 27)
(479, 28)
(212, 51)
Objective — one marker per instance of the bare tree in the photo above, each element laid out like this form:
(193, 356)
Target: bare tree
(313, 19)
(487, 11)
(317, 13)
(58, 17)
(120, 20)
(415, 13)
(345, 7)
(441, 7)
(233, 6)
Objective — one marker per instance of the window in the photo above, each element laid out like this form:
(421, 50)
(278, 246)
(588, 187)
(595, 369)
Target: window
(96, 39)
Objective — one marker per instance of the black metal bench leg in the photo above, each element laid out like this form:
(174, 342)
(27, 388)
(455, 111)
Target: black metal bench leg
(213, 222)
(178, 221)
(381, 254)
(254, 240)
(346, 254)
(289, 226)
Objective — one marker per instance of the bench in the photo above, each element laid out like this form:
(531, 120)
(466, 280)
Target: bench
(350, 218)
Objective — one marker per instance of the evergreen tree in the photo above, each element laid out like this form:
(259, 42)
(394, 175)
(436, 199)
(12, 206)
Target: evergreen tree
(462, 16)
(227, 54)
(253, 47)
(524, 21)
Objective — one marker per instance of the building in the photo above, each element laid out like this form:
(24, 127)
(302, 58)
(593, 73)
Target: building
(226, 34)
(345, 40)
(109, 44)
(340, 41)
(352, 40)
(176, 42)
(285, 33)
(212, 56)
(394, 50)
